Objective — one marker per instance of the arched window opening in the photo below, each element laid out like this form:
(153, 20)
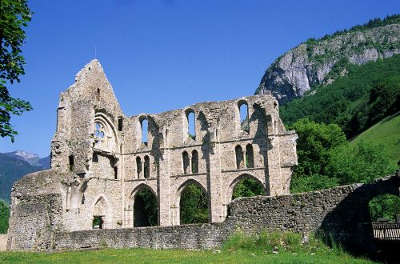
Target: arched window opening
(145, 130)
(244, 117)
(249, 156)
(120, 124)
(195, 161)
(115, 173)
(99, 130)
(239, 157)
(185, 162)
(385, 208)
(138, 166)
(193, 205)
(99, 214)
(71, 162)
(247, 187)
(146, 166)
(190, 116)
(98, 222)
(98, 94)
(95, 157)
(145, 209)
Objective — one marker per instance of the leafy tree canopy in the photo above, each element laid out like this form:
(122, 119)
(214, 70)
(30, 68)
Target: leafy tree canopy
(248, 187)
(4, 215)
(14, 17)
(386, 206)
(193, 205)
(326, 159)
(314, 143)
(362, 163)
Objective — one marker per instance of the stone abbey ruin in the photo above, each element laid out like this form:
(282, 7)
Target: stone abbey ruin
(101, 159)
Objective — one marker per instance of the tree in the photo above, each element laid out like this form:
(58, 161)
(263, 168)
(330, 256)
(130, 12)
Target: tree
(14, 16)
(193, 205)
(326, 159)
(361, 163)
(4, 215)
(248, 187)
(313, 145)
(386, 206)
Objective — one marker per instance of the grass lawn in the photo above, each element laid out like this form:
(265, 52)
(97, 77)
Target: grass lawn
(387, 133)
(115, 256)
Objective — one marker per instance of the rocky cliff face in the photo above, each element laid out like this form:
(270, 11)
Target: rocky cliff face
(316, 62)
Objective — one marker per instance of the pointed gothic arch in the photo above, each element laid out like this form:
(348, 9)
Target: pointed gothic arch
(192, 202)
(101, 213)
(145, 206)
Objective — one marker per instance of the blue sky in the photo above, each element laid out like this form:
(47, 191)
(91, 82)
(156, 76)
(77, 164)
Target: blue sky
(165, 54)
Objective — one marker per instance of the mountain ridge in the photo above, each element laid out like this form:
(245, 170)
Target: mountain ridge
(14, 165)
(320, 61)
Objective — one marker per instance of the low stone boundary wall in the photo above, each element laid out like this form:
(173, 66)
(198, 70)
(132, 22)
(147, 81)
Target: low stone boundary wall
(198, 236)
(341, 212)
(3, 242)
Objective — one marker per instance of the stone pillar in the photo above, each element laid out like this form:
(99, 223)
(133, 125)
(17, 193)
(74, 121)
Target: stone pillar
(215, 180)
(274, 167)
(281, 156)
(163, 185)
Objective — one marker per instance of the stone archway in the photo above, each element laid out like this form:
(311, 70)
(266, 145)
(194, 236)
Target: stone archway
(243, 177)
(197, 196)
(145, 206)
(349, 222)
(101, 216)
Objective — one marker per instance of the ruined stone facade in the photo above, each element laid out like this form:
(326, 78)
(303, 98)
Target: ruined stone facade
(101, 158)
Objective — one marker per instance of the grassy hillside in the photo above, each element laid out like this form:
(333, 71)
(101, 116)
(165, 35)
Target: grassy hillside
(387, 133)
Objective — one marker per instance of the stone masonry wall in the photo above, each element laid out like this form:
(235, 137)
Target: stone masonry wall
(341, 212)
(3, 242)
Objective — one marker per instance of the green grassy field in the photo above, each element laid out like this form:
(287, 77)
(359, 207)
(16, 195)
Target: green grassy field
(115, 256)
(267, 247)
(387, 133)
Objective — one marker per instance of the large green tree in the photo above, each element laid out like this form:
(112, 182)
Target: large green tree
(14, 16)
(313, 146)
(314, 143)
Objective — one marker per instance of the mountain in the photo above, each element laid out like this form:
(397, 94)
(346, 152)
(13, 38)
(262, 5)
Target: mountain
(14, 165)
(321, 61)
(367, 94)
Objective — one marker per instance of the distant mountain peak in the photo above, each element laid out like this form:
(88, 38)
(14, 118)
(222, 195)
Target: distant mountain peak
(32, 158)
(25, 154)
